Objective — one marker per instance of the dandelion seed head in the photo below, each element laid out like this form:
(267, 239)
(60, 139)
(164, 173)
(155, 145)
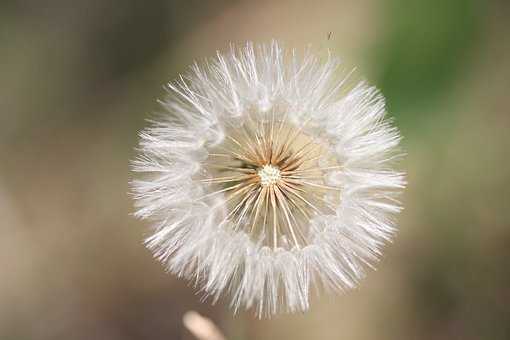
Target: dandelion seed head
(269, 175)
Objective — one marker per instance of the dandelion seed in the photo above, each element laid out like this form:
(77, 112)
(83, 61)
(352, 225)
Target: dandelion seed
(267, 176)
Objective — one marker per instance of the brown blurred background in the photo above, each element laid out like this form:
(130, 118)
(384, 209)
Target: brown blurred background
(78, 78)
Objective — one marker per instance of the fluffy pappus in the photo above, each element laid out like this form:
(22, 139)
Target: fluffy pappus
(268, 174)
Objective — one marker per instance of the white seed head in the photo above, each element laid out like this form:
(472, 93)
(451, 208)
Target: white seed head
(268, 176)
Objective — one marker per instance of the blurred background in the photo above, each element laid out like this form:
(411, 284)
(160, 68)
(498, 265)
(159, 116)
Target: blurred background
(78, 79)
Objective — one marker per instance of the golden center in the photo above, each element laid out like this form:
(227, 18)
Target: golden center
(269, 174)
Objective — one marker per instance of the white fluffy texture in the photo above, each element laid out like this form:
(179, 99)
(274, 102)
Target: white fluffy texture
(187, 237)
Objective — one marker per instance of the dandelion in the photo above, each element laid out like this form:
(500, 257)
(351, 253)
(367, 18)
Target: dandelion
(267, 176)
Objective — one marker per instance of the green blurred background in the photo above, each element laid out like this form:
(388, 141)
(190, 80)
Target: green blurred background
(78, 78)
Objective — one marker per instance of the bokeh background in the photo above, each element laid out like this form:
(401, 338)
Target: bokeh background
(78, 79)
